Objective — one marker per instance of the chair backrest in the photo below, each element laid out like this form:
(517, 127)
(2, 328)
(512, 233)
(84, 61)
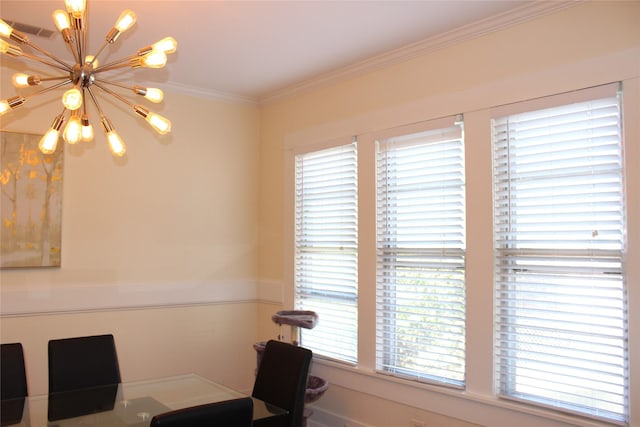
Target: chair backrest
(228, 413)
(12, 372)
(82, 362)
(282, 378)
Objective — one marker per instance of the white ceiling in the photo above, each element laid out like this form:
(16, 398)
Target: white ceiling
(257, 49)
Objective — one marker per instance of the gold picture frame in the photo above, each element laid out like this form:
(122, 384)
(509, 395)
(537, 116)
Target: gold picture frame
(30, 202)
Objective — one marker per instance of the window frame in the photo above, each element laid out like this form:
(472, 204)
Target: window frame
(505, 375)
(431, 136)
(315, 297)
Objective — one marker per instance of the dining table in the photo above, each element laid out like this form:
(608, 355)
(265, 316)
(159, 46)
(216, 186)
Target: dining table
(125, 404)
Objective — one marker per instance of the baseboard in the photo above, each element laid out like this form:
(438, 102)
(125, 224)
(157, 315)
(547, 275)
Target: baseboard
(323, 418)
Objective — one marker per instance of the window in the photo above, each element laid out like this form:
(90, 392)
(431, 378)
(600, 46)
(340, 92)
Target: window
(326, 252)
(420, 330)
(559, 238)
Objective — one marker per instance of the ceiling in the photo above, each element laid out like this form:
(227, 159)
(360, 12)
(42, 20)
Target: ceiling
(255, 50)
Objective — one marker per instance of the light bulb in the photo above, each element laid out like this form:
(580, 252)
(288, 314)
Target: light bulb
(72, 99)
(154, 95)
(49, 141)
(116, 146)
(76, 7)
(151, 93)
(10, 49)
(61, 19)
(87, 133)
(73, 131)
(20, 80)
(5, 29)
(166, 45)
(87, 128)
(125, 21)
(9, 104)
(4, 107)
(159, 123)
(154, 60)
(24, 80)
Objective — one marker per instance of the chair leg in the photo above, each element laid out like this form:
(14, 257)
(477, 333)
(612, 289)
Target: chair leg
(307, 413)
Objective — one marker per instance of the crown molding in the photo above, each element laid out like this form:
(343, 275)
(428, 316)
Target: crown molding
(211, 95)
(524, 13)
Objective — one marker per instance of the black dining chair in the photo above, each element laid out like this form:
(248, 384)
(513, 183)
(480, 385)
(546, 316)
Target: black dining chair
(281, 380)
(13, 383)
(13, 376)
(228, 413)
(82, 362)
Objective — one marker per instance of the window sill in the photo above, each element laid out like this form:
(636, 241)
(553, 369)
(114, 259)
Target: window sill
(484, 409)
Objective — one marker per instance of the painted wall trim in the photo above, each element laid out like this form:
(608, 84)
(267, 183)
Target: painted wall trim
(41, 300)
(324, 418)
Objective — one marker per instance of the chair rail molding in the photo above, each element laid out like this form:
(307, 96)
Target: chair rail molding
(43, 300)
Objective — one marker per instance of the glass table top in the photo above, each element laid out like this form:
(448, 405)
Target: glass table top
(125, 404)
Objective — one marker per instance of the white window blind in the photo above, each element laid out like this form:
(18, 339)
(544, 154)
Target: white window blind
(326, 237)
(420, 330)
(559, 238)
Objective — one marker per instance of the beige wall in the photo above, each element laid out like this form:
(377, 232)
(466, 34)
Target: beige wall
(180, 208)
(160, 250)
(212, 340)
(585, 45)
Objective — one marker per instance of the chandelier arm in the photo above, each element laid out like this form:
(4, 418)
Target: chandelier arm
(36, 79)
(63, 67)
(95, 102)
(48, 79)
(95, 57)
(159, 123)
(48, 54)
(116, 145)
(79, 30)
(78, 47)
(19, 100)
(115, 95)
(73, 46)
(85, 35)
(84, 45)
(23, 39)
(154, 95)
(120, 63)
(84, 101)
(114, 83)
(74, 52)
(48, 89)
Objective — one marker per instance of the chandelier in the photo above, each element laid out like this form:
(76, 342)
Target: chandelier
(85, 76)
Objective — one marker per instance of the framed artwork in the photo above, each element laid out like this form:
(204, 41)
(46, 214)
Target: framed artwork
(31, 202)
